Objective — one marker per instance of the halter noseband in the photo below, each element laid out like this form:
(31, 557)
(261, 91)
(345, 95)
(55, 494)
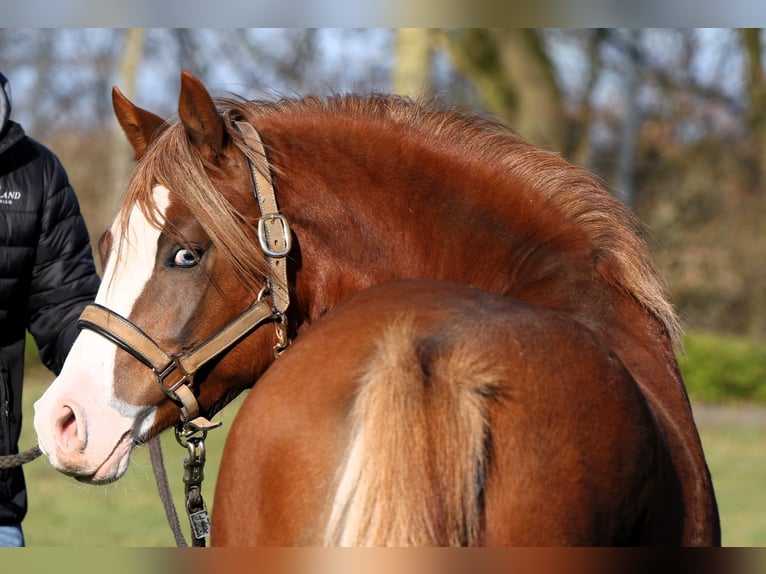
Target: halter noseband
(274, 237)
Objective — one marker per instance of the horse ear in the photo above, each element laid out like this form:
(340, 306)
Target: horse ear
(200, 117)
(139, 125)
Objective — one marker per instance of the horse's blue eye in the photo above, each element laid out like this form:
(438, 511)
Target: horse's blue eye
(185, 258)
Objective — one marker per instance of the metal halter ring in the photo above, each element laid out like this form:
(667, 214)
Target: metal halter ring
(175, 365)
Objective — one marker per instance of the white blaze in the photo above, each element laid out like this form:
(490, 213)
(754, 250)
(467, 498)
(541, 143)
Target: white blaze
(127, 272)
(85, 384)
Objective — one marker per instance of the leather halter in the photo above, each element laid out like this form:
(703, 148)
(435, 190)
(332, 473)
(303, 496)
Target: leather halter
(274, 237)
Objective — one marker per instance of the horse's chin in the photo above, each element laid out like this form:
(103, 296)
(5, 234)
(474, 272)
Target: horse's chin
(113, 467)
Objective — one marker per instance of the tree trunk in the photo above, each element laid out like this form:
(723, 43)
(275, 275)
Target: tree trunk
(412, 62)
(515, 79)
(539, 106)
(578, 147)
(755, 83)
(626, 162)
(44, 64)
(122, 154)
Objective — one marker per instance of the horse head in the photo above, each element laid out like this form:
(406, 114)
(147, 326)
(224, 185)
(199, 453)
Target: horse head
(164, 339)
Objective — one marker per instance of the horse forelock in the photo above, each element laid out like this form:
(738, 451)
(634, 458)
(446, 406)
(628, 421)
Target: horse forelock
(174, 163)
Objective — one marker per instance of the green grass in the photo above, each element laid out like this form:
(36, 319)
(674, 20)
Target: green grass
(129, 513)
(738, 466)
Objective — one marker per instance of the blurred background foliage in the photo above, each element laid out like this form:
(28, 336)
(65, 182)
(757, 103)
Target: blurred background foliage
(672, 120)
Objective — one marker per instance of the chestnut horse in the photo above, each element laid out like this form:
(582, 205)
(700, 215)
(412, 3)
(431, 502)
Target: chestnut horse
(369, 189)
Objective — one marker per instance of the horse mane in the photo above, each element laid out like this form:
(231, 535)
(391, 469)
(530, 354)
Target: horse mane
(615, 233)
(622, 257)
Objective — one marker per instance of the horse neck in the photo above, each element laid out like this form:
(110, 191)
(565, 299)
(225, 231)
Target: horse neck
(362, 217)
(369, 205)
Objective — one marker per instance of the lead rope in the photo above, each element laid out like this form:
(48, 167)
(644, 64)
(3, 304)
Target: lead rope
(14, 460)
(193, 477)
(161, 477)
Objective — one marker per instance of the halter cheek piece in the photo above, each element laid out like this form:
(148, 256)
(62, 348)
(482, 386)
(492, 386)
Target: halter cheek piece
(175, 372)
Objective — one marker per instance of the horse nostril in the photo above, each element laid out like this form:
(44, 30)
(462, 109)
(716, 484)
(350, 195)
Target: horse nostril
(68, 437)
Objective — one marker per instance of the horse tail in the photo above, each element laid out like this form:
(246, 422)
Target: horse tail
(416, 464)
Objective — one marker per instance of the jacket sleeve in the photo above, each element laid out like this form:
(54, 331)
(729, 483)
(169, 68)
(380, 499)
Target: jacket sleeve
(64, 279)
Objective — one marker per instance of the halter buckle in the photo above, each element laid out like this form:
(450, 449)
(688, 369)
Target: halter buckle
(263, 235)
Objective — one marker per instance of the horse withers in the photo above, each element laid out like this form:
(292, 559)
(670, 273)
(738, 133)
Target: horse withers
(204, 278)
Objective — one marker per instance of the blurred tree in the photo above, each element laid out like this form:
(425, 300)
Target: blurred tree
(412, 62)
(626, 164)
(43, 58)
(578, 144)
(515, 77)
(755, 92)
(121, 164)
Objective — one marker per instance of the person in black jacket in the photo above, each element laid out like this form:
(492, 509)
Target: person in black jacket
(47, 276)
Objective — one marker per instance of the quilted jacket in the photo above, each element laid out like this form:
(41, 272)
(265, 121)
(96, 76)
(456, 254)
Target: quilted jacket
(47, 276)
